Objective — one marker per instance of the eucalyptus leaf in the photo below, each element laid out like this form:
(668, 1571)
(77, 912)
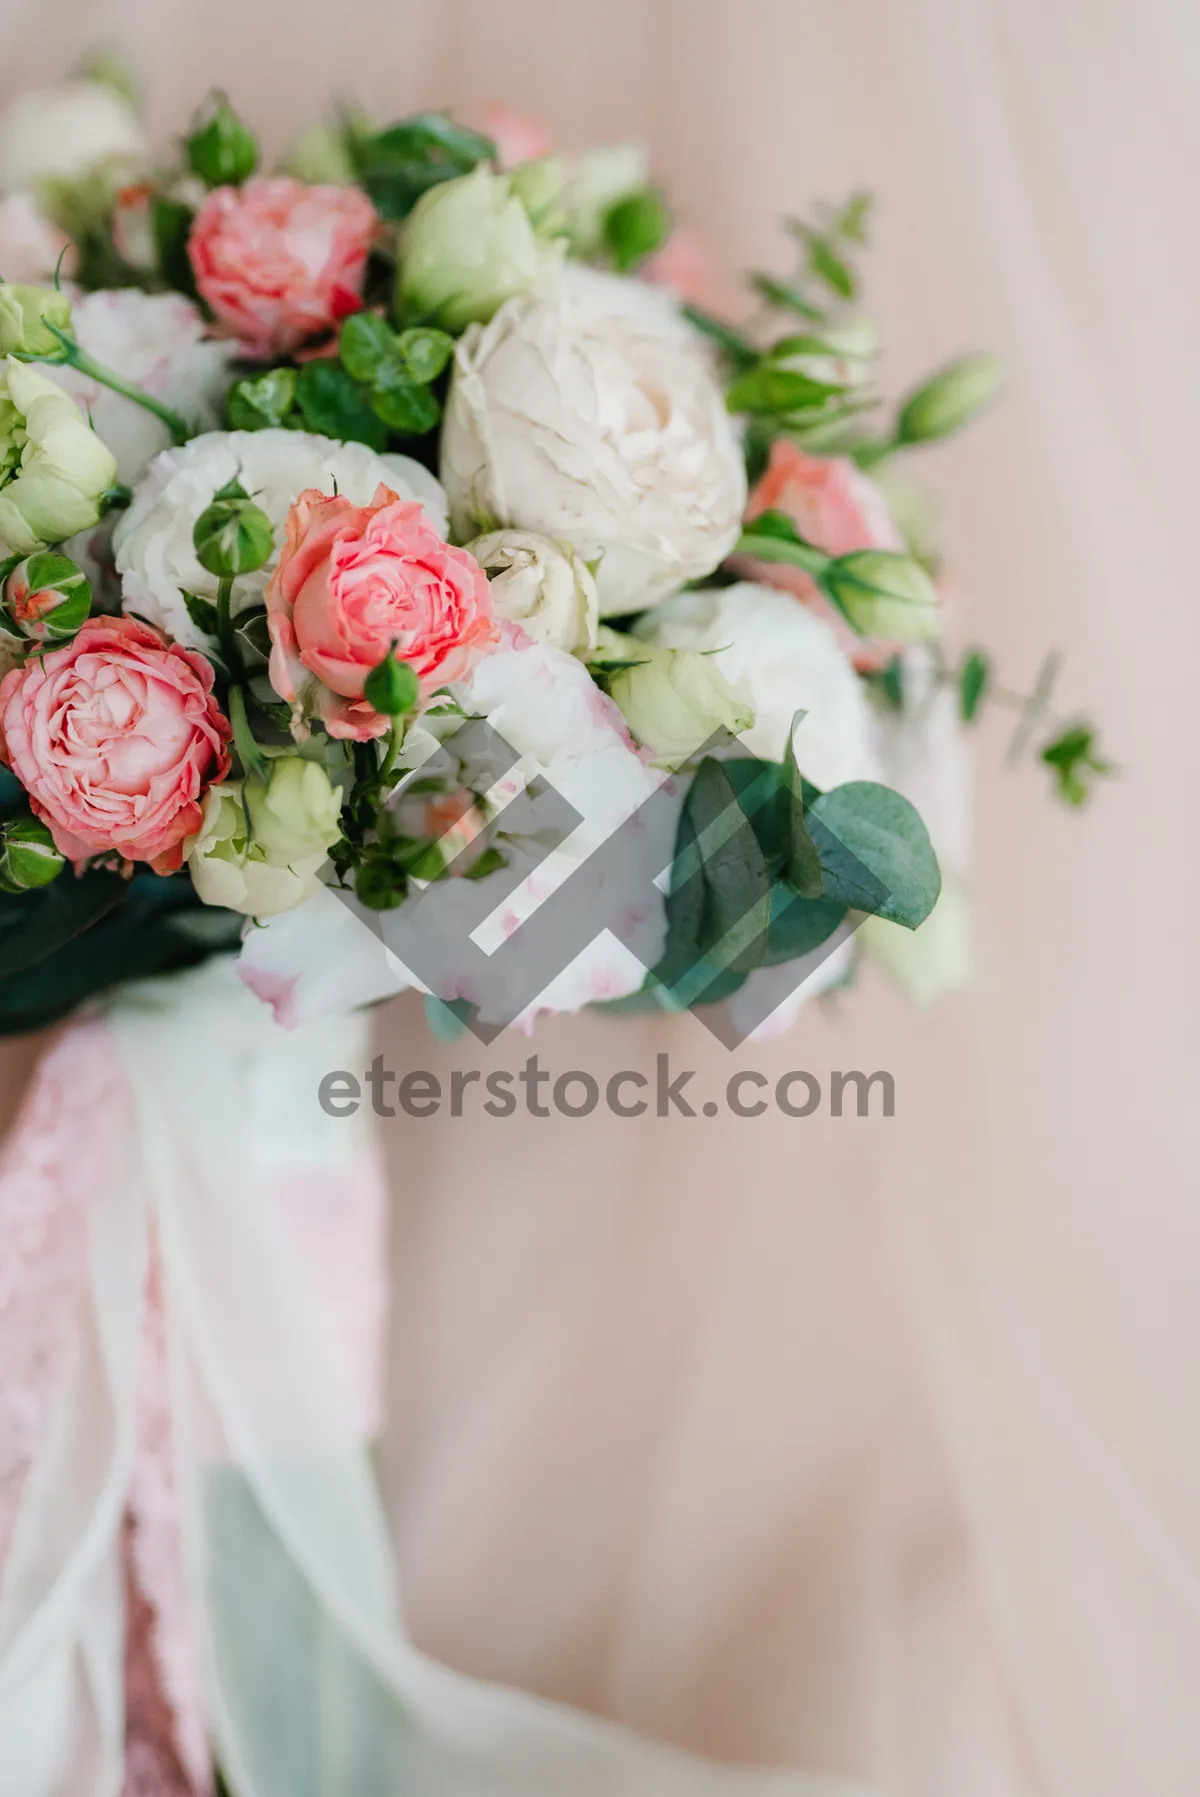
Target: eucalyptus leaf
(875, 852)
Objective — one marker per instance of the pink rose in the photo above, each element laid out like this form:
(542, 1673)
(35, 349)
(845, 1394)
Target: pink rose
(835, 506)
(278, 261)
(353, 579)
(517, 137)
(115, 737)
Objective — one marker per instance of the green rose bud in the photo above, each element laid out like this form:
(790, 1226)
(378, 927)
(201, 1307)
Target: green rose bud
(539, 186)
(635, 227)
(47, 597)
(296, 815)
(233, 536)
(469, 245)
(28, 857)
(319, 157)
(955, 395)
(25, 313)
(221, 150)
(884, 595)
(54, 470)
(231, 868)
(673, 700)
(391, 687)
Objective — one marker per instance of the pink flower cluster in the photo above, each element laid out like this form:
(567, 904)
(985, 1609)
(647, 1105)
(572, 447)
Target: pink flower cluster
(115, 737)
(280, 262)
(351, 581)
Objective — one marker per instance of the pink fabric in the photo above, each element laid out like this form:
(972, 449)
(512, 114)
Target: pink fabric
(53, 1160)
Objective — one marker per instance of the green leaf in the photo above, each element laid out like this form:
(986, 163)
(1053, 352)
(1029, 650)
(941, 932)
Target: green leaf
(780, 390)
(202, 612)
(772, 537)
(803, 863)
(828, 266)
(333, 404)
(365, 343)
(875, 852)
(1074, 760)
(738, 348)
(398, 165)
(406, 408)
(35, 925)
(973, 678)
(737, 880)
(635, 227)
(171, 224)
(154, 925)
(854, 217)
(799, 925)
(425, 352)
(786, 297)
(261, 402)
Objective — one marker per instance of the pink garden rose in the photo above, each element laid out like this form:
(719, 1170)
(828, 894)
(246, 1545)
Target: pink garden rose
(834, 505)
(684, 267)
(351, 581)
(116, 738)
(279, 262)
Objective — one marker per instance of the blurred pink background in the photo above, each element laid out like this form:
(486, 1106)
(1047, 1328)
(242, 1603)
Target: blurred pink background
(863, 1446)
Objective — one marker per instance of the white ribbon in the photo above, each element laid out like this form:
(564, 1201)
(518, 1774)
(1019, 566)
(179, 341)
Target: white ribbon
(313, 1686)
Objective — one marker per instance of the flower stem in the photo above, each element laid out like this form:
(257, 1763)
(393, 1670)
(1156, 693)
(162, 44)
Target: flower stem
(71, 356)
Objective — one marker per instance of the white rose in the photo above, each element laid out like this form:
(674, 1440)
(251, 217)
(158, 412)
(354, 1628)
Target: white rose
(157, 341)
(230, 871)
(591, 414)
(64, 132)
(543, 586)
(30, 245)
(153, 541)
(782, 658)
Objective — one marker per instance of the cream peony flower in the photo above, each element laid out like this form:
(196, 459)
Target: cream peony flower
(153, 541)
(543, 586)
(157, 341)
(781, 658)
(64, 132)
(591, 414)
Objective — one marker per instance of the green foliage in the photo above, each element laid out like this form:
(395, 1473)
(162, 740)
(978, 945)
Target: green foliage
(82, 936)
(202, 612)
(1076, 765)
(171, 224)
(635, 227)
(973, 680)
(397, 165)
(221, 150)
(262, 401)
(875, 852)
(767, 388)
(331, 401)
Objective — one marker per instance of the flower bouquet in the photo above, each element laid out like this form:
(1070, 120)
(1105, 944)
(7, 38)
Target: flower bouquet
(407, 578)
(472, 460)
